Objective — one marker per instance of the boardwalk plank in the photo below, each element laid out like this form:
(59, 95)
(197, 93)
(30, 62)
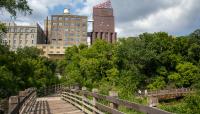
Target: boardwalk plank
(53, 105)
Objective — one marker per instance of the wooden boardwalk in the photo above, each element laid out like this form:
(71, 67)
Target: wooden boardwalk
(65, 100)
(53, 105)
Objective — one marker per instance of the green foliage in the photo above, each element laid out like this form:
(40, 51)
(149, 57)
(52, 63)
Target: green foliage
(24, 68)
(151, 61)
(12, 6)
(158, 83)
(186, 75)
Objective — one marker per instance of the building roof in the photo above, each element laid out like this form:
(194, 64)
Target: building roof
(106, 4)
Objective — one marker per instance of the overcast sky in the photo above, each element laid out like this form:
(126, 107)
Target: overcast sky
(132, 17)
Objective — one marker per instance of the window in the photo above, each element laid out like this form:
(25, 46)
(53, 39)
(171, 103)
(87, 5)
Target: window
(26, 36)
(66, 18)
(84, 24)
(32, 30)
(77, 39)
(32, 41)
(72, 24)
(20, 36)
(20, 42)
(60, 18)
(55, 18)
(71, 34)
(51, 47)
(66, 29)
(54, 24)
(60, 24)
(26, 30)
(55, 29)
(58, 51)
(78, 24)
(26, 41)
(72, 30)
(44, 47)
(14, 42)
(15, 36)
(84, 20)
(66, 24)
(21, 29)
(51, 51)
(32, 35)
(11, 30)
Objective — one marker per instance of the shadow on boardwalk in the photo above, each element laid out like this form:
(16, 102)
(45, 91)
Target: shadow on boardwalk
(52, 105)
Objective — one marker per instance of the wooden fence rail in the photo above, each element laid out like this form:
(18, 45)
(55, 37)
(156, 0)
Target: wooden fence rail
(170, 91)
(92, 102)
(23, 102)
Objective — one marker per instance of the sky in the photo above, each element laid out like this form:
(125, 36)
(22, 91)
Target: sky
(132, 17)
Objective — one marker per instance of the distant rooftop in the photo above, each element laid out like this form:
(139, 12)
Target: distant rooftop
(106, 4)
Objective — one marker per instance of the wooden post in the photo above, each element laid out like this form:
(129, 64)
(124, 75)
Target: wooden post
(94, 99)
(22, 95)
(13, 102)
(83, 98)
(153, 101)
(114, 95)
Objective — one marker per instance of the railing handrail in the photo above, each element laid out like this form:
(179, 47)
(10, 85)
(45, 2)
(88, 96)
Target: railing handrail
(18, 104)
(74, 96)
(169, 91)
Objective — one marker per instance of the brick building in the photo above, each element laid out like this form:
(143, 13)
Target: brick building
(104, 23)
(67, 29)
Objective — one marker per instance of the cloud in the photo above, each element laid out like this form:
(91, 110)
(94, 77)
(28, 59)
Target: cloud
(176, 17)
(133, 17)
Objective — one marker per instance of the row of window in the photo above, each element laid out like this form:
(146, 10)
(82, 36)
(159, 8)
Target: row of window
(69, 29)
(68, 24)
(21, 30)
(69, 18)
(21, 35)
(72, 39)
(15, 42)
(53, 52)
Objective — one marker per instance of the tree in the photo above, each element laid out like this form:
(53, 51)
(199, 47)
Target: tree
(187, 74)
(13, 6)
(194, 53)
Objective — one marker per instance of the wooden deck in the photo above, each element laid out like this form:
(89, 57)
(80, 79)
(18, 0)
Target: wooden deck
(53, 105)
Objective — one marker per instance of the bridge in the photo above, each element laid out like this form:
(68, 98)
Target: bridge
(72, 100)
(155, 96)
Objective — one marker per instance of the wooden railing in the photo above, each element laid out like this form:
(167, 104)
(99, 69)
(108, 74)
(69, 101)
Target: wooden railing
(4, 106)
(45, 91)
(170, 92)
(23, 102)
(95, 103)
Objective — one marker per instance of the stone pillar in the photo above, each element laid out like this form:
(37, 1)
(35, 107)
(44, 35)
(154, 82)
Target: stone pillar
(114, 95)
(104, 36)
(109, 37)
(93, 37)
(13, 102)
(94, 99)
(99, 35)
(114, 38)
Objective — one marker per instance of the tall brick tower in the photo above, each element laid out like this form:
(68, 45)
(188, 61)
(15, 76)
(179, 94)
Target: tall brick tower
(104, 23)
